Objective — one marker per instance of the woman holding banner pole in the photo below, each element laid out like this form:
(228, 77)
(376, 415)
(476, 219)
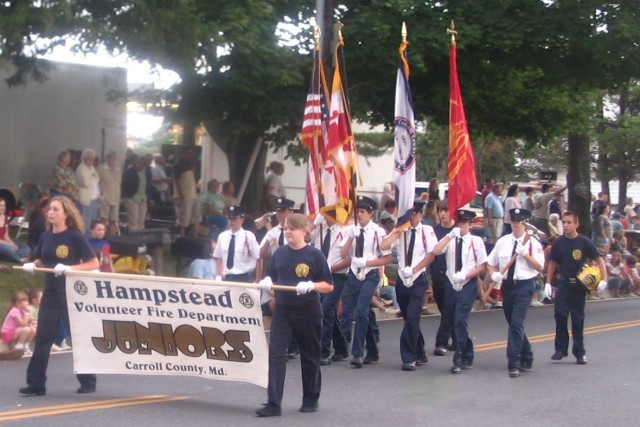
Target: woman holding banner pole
(62, 247)
(305, 269)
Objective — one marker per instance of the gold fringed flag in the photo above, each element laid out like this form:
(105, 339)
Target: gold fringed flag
(462, 167)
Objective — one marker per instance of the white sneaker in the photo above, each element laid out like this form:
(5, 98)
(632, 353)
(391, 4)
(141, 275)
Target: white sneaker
(535, 303)
(56, 348)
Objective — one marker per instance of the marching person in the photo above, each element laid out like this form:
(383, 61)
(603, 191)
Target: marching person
(466, 259)
(363, 277)
(439, 282)
(327, 238)
(569, 254)
(275, 237)
(415, 246)
(515, 262)
(62, 247)
(305, 269)
(237, 250)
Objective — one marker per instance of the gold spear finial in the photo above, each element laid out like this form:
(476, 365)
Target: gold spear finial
(452, 30)
(339, 25)
(403, 32)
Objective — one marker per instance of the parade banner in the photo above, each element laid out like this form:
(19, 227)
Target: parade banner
(140, 325)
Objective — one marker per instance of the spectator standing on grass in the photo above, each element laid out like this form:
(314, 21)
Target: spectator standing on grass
(110, 192)
(88, 187)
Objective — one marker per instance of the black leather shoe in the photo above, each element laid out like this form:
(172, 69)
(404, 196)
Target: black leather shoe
(582, 360)
(371, 359)
(269, 411)
(357, 362)
(422, 360)
(456, 369)
(325, 361)
(309, 407)
(514, 373)
(526, 366)
(558, 355)
(411, 366)
(339, 357)
(292, 354)
(84, 389)
(440, 351)
(31, 391)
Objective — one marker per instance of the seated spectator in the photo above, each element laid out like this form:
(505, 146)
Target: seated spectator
(619, 242)
(630, 277)
(37, 224)
(614, 267)
(18, 327)
(555, 225)
(16, 252)
(212, 206)
(101, 246)
(204, 268)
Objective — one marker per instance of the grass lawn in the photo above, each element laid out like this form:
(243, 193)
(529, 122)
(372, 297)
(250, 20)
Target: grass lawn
(16, 280)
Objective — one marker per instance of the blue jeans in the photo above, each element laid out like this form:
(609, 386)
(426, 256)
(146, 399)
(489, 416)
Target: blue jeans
(89, 214)
(516, 297)
(356, 297)
(329, 306)
(460, 304)
(15, 255)
(570, 300)
(410, 300)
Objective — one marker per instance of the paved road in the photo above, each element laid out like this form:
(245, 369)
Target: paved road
(554, 393)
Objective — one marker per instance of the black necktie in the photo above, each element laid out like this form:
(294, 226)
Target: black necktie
(326, 243)
(360, 244)
(412, 243)
(281, 238)
(512, 269)
(232, 250)
(459, 254)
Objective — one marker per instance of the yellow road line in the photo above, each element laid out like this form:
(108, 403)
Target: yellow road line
(549, 337)
(86, 406)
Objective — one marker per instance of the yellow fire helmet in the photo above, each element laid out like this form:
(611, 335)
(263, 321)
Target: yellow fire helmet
(590, 277)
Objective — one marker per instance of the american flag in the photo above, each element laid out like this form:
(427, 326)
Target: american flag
(314, 135)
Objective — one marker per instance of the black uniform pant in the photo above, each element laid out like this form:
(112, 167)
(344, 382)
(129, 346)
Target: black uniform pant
(440, 294)
(53, 311)
(304, 323)
(570, 300)
(410, 302)
(516, 296)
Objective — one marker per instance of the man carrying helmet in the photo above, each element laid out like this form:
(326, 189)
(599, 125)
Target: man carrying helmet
(569, 254)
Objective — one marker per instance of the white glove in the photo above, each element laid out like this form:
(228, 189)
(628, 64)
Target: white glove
(520, 250)
(320, 220)
(546, 293)
(458, 277)
(457, 286)
(454, 233)
(602, 285)
(60, 268)
(359, 262)
(496, 277)
(29, 267)
(265, 284)
(354, 231)
(304, 287)
(406, 272)
(218, 278)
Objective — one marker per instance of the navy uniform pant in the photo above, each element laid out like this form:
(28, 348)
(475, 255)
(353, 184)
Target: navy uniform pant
(440, 294)
(53, 311)
(570, 300)
(330, 328)
(410, 301)
(304, 323)
(356, 299)
(460, 305)
(516, 296)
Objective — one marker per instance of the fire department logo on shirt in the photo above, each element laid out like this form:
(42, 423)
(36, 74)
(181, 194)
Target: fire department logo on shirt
(302, 270)
(576, 254)
(62, 251)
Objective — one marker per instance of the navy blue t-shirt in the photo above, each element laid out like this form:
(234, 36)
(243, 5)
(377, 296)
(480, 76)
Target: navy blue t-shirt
(68, 247)
(291, 266)
(439, 264)
(572, 254)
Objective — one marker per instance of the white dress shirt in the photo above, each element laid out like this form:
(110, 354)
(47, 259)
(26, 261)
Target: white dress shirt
(424, 243)
(246, 253)
(337, 234)
(272, 238)
(502, 251)
(373, 237)
(474, 254)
